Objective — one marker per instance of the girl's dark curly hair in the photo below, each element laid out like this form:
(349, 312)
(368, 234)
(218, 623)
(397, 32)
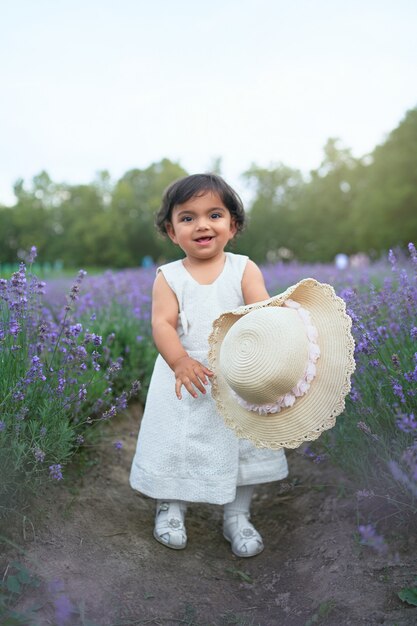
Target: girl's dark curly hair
(184, 189)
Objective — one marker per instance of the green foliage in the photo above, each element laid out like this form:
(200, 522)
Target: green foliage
(347, 204)
(101, 224)
(56, 379)
(272, 229)
(323, 611)
(409, 595)
(373, 440)
(16, 582)
(129, 338)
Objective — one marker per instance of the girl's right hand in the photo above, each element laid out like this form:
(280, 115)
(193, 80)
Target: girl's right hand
(191, 374)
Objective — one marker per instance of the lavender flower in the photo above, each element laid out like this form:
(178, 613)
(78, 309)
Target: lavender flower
(398, 390)
(413, 253)
(118, 445)
(365, 493)
(393, 260)
(407, 423)
(111, 412)
(365, 429)
(55, 472)
(33, 254)
(39, 455)
(369, 537)
(135, 388)
(401, 477)
(395, 359)
(63, 610)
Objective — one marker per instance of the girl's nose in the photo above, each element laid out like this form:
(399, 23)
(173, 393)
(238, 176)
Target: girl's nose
(202, 224)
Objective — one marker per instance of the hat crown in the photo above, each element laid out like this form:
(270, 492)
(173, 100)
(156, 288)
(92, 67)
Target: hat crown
(264, 354)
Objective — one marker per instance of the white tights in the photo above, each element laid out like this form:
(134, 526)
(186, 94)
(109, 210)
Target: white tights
(241, 503)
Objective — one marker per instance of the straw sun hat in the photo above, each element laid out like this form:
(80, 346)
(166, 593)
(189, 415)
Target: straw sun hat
(283, 366)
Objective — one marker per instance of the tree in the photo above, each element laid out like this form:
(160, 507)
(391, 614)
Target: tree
(271, 213)
(386, 204)
(136, 198)
(324, 212)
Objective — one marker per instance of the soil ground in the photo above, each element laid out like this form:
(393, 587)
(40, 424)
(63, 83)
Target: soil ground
(93, 544)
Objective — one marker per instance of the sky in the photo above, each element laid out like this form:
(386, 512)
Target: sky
(90, 85)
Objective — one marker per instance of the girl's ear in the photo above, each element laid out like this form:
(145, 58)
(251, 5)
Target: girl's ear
(233, 229)
(171, 232)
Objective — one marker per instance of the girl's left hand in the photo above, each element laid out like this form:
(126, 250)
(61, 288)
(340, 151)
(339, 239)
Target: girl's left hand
(191, 374)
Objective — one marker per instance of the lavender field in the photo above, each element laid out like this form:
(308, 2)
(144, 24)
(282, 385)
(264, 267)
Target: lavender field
(75, 361)
(74, 354)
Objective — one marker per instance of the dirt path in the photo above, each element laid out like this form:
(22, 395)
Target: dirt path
(96, 540)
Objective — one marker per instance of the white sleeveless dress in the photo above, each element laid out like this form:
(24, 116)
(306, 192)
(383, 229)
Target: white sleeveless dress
(184, 450)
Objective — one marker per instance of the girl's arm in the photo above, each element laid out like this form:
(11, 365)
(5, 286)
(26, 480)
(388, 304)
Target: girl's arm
(188, 371)
(253, 284)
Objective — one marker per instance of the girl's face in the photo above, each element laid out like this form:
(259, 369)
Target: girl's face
(202, 226)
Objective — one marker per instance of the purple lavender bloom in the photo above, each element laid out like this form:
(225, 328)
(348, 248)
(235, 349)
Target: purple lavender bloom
(392, 259)
(61, 385)
(398, 390)
(39, 455)
(382, 332)
(402, 477)
(92, 338)
(81, 352)
(55, 472)
(14, 328)
(135, 388)
(365, 493)
(394, 328)
(2, 426)
(118, 445)
(121, 401)
(413, 332)
(365, 429)
(413, 252)
(63, 610)
(32, 254)
(79, 440)
(111, 412)
(395, 359)
(407, 423)
(40, 287)
(75, 329)
(97, 340)
(369, 537)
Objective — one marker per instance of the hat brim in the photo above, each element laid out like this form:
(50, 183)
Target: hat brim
(317, 410)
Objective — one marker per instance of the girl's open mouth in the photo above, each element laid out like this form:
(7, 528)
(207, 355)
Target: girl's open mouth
(203, 240)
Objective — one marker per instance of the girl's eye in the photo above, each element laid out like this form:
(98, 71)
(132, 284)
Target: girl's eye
(216, 215)
(186, 218)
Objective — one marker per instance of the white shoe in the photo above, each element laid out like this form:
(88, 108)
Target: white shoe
(169, 524)
(245, 539)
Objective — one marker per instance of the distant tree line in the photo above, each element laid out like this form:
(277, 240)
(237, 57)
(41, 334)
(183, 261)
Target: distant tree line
(347, 204)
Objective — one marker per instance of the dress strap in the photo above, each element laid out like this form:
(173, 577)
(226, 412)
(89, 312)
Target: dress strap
(237, 265)
(175, 276)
